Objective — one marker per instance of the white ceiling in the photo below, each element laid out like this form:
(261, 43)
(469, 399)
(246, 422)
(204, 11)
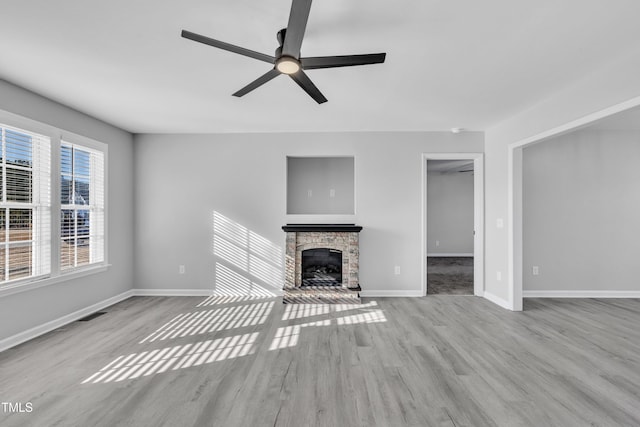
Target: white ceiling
(450, 63)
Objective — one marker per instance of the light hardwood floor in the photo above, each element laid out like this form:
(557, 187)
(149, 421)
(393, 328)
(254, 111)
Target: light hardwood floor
(433, 361)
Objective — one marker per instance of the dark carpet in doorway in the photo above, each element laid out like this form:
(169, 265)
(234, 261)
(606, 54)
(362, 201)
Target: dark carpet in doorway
(450, 275)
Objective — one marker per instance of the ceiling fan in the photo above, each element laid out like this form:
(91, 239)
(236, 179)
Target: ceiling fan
(287, 58)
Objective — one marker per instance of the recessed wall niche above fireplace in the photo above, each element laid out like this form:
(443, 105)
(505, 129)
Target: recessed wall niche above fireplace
(321, 185)
(322, 263)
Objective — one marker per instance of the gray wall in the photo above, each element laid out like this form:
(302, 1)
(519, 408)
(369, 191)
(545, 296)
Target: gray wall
(320, 185)
(450, 213)
(185, 183)
(616, 84)
(581, 203)
(19, 312)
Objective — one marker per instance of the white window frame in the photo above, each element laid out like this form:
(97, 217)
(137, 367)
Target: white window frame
(95, 208)
(56, 275)
(39, 205)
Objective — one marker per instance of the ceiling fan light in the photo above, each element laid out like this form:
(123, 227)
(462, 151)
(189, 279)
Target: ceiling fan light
(287, 65)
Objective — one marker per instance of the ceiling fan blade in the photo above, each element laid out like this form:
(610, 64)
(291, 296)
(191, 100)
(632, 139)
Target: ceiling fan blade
(305, 83)
(257, 82)
(226, 46)
(342, 61)
(295, 29)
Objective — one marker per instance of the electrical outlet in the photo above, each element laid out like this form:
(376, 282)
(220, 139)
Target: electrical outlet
(397, 270)
(332, 193)
(309, 193)
(181, 269)
(536, 270)
(500, 223)
(437, 243)
(499, 276)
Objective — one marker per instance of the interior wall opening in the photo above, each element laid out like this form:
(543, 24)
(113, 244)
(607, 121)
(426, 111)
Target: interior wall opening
(580, 204)
(450, 223)
(599, 127)
(453, 214)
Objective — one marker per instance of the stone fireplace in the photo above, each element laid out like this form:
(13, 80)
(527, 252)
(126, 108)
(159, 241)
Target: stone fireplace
(322, 263)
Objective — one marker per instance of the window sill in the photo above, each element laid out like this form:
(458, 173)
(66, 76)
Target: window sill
(39, 282)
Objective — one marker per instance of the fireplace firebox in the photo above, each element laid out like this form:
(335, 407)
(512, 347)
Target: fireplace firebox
(321, 267)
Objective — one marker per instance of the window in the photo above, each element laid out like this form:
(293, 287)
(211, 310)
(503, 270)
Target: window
(81, 206)
(25, 204)
(52, 205)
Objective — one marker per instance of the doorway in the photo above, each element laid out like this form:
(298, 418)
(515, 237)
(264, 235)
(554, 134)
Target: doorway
(453, 224)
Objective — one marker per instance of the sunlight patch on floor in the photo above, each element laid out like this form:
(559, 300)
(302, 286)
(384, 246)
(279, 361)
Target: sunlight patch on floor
(288, 336)
(374, 316)
(299, 311)
(173, 358)
(206, 321)
(220, 299)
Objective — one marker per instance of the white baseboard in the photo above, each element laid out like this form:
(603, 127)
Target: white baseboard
(172, 292)
(209, 292)
(497, 300)
(32, 333)
(390, 293)
(581, 294)
(450, 255)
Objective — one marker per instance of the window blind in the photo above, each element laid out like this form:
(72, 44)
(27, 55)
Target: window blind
(82, 206)
(25, 204)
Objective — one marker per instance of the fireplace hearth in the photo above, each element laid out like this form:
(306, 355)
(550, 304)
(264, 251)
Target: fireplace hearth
(322, 263)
